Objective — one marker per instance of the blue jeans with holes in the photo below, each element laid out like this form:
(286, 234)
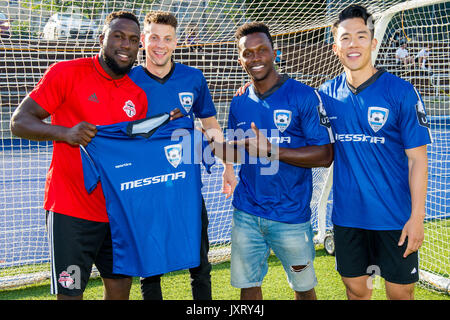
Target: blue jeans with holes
(253, 237)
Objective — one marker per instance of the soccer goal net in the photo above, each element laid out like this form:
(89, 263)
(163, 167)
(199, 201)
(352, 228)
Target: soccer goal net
(37, 33)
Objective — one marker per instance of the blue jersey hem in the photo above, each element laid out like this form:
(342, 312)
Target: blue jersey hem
(265, 216)
(374, 228)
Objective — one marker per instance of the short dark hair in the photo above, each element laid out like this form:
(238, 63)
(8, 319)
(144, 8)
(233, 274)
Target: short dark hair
(354, 11)
(120, 15)
(161, 17)
(252, 27)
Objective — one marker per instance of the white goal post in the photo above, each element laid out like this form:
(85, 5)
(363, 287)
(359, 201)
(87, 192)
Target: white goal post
(37, 33)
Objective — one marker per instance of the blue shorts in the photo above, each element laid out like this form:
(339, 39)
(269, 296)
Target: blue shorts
(253, 237)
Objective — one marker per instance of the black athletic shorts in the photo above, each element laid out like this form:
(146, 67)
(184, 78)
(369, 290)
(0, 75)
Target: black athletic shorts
(75, 245)
(362, 252)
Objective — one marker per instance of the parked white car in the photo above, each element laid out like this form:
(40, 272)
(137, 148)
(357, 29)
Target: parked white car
(69, 25)
(5, 26)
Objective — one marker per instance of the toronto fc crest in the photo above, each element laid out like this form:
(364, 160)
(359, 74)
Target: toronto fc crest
(129, 109)
(65, 279)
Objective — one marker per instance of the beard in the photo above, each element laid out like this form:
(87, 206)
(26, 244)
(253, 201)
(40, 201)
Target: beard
(114, 66)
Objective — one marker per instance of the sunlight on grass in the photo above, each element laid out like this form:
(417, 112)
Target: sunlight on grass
(176, 285)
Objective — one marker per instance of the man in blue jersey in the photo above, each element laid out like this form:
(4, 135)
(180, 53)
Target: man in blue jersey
(380, 166)
(272, 199)
(169, 84)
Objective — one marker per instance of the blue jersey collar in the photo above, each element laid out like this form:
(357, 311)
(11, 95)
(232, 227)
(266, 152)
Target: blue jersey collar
(284, 77)
(367, 83)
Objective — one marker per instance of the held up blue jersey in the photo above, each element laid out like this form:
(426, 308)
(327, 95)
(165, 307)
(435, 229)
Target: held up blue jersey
(184, 88)
(373, 126)
(150, 174)
(290, 115)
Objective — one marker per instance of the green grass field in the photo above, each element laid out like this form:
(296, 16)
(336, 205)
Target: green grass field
(435, 251)
(176, 285)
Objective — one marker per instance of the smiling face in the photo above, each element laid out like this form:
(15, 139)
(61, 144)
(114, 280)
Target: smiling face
(257, 56)
(119, 47)
(354, 45)
(159, 42)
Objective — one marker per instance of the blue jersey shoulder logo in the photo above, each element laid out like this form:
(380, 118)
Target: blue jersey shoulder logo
(282, 119)
(420, 111)
(173, 154)
(421, 114)
(377, 117)
(323, 118)
(186, 100)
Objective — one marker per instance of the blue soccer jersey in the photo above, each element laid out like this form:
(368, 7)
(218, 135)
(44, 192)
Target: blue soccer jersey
(150, 175)
(184, 88)
(373, 126)
(291, 116)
